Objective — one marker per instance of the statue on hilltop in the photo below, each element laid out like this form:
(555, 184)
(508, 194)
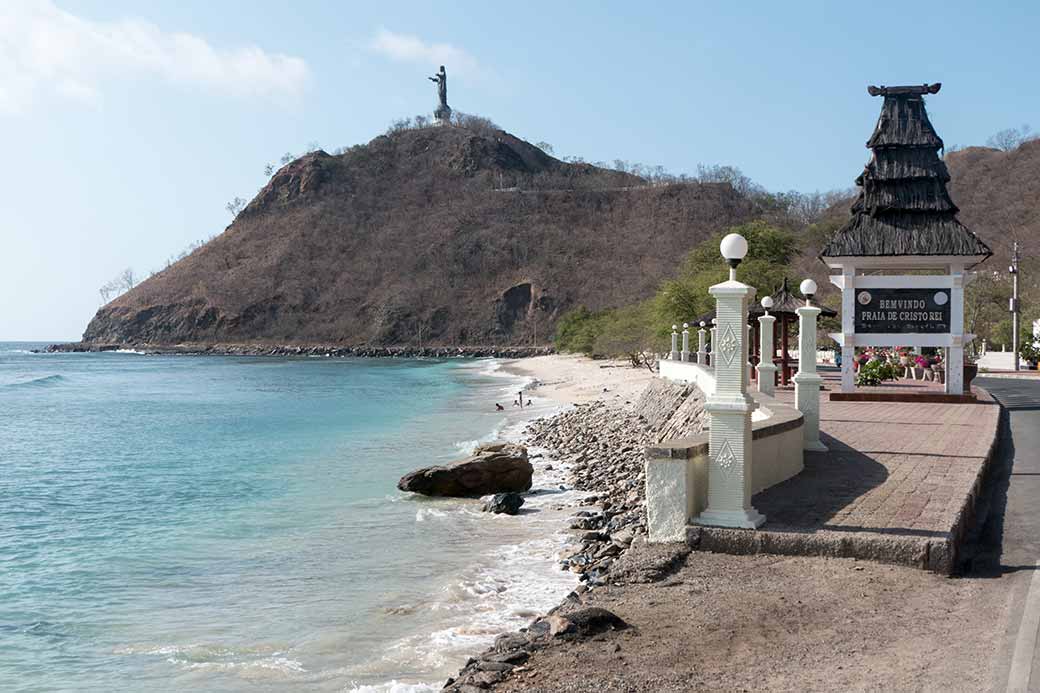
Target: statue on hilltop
(443, 112)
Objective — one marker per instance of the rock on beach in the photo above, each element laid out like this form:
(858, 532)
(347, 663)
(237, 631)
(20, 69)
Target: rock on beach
(492, 468)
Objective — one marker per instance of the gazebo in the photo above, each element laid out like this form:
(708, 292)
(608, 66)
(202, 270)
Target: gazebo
(903, 256)
(785, 305)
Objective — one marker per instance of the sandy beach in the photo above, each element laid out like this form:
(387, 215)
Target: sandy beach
(574, 379)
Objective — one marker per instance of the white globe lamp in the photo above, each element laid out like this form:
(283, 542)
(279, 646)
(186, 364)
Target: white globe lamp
(733, 249)
(808, 289)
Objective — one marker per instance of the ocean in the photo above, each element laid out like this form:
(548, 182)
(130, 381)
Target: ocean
(233, 523)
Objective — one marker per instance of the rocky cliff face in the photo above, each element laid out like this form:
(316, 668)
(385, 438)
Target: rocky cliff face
(459, 236)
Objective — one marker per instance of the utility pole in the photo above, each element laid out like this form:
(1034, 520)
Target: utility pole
(1014, 302)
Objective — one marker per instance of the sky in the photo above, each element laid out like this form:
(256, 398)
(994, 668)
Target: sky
(128, 126)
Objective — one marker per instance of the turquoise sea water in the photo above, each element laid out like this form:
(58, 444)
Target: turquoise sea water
(232, 523)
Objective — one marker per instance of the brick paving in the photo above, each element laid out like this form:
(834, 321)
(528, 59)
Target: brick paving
(898, 475)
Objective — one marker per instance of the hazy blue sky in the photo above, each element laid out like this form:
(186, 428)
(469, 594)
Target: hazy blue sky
(127, 126)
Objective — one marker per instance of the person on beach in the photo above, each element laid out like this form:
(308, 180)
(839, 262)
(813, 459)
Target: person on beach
(521, 393)
(499, 407)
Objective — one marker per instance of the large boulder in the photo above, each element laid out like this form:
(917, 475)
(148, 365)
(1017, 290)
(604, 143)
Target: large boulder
(493, 468)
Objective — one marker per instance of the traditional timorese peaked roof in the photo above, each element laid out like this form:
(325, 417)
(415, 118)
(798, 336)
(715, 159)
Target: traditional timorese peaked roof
(903, 207)
(786, 303)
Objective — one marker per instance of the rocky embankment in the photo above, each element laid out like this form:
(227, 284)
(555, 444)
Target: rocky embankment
(603, 445)
(505, 352)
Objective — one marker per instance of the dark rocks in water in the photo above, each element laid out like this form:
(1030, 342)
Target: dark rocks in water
(504, 503)
(493, 468)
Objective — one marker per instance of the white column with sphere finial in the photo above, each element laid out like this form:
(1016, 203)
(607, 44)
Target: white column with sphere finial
(702, 351)
(807, 380)
(729, 407)
(685, 353)
(674, 355)
(766, 368)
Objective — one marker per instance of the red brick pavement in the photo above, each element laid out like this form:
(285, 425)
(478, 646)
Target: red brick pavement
(895, 472)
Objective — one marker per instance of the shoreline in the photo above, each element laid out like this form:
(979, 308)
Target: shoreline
(328, 350)
(596, 402)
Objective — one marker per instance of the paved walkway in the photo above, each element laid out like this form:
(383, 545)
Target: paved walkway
(898, 484)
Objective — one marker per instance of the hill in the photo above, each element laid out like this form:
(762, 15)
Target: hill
(999, 196)
(463, 235)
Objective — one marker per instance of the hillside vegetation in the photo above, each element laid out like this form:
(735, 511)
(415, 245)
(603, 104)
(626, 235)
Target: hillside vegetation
(458, 235)
(466, 235)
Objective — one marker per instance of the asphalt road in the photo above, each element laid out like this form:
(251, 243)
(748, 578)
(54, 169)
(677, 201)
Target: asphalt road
(1007, 544)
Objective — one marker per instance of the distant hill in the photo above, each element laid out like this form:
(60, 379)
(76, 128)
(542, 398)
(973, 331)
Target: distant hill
(469, 236)
(999, 196)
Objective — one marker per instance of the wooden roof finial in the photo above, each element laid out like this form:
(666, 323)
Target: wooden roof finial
(912, 90)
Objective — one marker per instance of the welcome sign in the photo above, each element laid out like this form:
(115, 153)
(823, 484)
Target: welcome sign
(903, 311)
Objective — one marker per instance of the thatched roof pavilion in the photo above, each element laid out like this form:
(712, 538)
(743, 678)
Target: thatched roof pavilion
(903, 208)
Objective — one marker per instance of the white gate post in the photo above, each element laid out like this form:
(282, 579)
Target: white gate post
(674, 355)
(748, 349)
(766, 367)
(848, 329)
(714, 334)
(807, 380)
(685, 354)
(729, 407)
(955, 354)
(702, 351)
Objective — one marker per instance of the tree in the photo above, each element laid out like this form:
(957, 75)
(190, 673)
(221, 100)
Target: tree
(287, 158)
(770, 253)
(1010, 138)
(109, 290)
(985, 307)
(269, 170)
(126, 279)
(118, 285)
(236, 206)
(545, 147)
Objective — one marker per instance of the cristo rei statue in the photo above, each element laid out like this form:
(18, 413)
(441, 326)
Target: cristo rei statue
(443, 112)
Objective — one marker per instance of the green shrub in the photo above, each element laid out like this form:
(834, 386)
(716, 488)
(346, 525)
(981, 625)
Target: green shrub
(875, 373)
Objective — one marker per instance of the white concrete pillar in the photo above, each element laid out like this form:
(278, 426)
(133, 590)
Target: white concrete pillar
(848, 329)
(766, 367)
(955, 354)
(685, 353)
(714, 341)
(702, 350)
(729, 412)
(807, 380)
(748, 349)
(674, 355)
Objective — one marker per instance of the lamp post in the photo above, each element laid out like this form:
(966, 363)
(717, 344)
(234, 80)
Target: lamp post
(1014, 303)
(729, 407)
(702, 351)
(685, 354)
(766, 367)
(807, 380)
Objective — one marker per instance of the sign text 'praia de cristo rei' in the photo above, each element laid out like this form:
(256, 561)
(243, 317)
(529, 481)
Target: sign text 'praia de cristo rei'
(903, 311)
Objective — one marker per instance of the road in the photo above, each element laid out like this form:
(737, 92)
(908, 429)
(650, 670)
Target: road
(1007, 545)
